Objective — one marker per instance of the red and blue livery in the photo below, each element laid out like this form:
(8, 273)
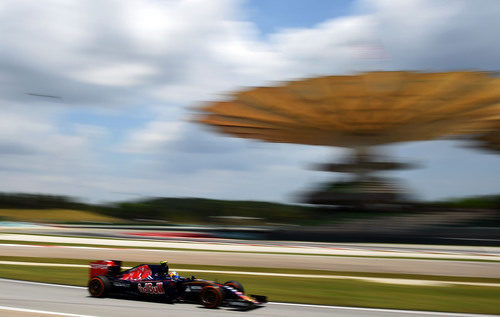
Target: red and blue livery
(155, 282)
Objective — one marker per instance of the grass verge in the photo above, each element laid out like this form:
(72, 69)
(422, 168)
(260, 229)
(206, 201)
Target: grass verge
(459, 298)
(179, 267)
(55, 215)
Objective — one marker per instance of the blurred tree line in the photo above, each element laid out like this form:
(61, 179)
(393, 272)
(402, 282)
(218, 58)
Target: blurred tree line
(195, 210)
(38, 201)
(205, 211)
(479, 202)
(214, 211)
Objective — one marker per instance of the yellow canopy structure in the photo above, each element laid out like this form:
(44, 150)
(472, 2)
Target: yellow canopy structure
(361, 110)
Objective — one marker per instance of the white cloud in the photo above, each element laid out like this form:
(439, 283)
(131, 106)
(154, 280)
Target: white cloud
(329, 48)
(115, 75)
(30, 142)
(160, 57)
(153, 138)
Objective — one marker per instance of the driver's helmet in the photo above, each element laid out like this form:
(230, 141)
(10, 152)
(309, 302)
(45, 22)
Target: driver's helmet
(164, 267)
(173, 275)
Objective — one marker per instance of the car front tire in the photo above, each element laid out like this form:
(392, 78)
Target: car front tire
(211, 296)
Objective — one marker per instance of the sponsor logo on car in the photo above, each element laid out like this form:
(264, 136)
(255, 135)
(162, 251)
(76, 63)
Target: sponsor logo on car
(234, 290)
(149, 288)
(139, 273)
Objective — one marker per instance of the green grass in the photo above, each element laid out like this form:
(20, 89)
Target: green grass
(366, 294)
(458, 298)
(55, 215)
(202, 250)
(59, 275)
(179, 267)
(327, 292)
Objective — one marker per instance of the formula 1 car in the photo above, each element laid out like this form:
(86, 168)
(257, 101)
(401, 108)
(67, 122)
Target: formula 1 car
(155, 282)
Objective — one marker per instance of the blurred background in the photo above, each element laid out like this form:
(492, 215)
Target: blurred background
(361, 126)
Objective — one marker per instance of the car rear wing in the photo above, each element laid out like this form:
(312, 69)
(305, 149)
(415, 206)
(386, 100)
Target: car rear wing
(105, 267)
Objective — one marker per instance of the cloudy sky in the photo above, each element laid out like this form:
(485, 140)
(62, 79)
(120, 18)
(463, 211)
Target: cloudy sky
(127, 74)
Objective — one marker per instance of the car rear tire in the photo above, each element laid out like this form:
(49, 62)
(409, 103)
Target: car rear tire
(211, 296)
(99, 286)
(236, 285)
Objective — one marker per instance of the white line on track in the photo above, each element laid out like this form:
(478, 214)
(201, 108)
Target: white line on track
(292, 304)
(417, 312)
(42, 264)
(44, 312)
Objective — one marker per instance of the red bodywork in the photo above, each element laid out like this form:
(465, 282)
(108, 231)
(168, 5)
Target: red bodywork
(99, 268)
(139, 273)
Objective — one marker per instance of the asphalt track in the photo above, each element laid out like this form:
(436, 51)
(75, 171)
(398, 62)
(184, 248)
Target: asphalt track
(162, 235)
(27, 299)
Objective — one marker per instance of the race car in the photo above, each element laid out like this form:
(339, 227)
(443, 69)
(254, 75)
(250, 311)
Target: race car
(155, 282)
